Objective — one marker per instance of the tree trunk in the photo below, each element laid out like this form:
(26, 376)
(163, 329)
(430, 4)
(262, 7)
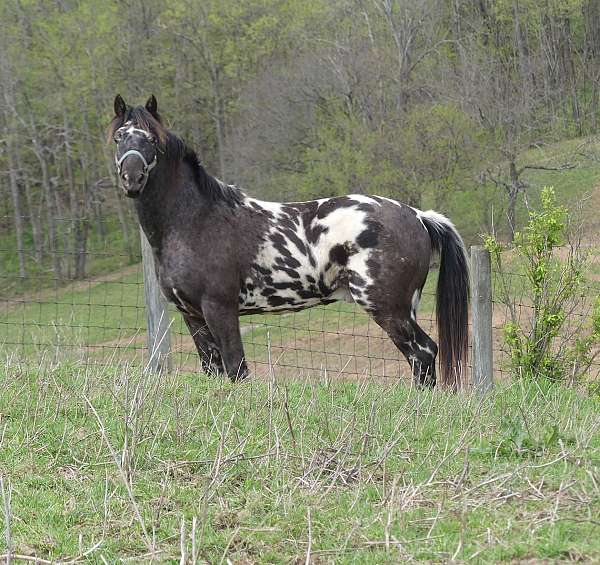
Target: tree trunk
(523, 53)
(82, 232)
(79, 212)
(513, 193)
(16, 202)
(8, 82)
(50, 210)
(92, 197)
(570, 73)
(591, 15)
(511, 213)
(121, 210)
(34, 215)
(62, 230)
(219, 120)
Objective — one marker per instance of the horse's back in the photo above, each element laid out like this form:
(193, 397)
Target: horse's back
(342, 247)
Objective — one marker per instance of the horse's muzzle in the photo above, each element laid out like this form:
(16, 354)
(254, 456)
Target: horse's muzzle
(133, 187)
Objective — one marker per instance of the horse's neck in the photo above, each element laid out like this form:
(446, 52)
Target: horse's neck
(167, 204)
(152, 221)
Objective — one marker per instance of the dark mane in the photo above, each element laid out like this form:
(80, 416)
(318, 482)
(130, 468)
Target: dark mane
(176, 150)
(216, 190)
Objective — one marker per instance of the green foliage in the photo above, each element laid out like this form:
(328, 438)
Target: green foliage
(517, 440)
(438, 144)
(538, 349)
(347, 157)
(425, 153)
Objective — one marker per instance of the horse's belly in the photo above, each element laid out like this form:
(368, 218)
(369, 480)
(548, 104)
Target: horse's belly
(268, 300)
(262, 307)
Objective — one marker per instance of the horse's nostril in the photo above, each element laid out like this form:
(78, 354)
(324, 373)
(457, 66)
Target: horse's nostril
(125, 176)
(140, 177)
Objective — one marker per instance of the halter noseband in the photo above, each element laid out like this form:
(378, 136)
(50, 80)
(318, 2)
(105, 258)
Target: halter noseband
(147, 166)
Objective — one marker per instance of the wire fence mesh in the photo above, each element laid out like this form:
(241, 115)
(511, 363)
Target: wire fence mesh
(520, 308)
(100, 318)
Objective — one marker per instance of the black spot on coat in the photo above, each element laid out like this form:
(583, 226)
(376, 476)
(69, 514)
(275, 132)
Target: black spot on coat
(369, 237)
(339, 254)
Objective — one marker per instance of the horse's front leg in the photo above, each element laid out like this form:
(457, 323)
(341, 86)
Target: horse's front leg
(223, 323)
(210, 357)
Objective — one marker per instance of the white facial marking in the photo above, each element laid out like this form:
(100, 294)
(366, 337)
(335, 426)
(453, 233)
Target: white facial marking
(128, 127)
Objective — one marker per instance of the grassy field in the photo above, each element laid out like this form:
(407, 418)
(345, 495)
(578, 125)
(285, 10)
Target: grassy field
(105, 253)
(87, 312)
(106, 463)
(110, 465)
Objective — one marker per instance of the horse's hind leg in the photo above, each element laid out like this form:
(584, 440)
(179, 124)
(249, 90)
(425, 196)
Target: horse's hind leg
(418, 348)
(210, 357)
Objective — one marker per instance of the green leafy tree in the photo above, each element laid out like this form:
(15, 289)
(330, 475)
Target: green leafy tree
(347, 157)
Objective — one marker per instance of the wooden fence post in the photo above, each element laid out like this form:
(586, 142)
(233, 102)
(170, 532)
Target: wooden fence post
(157, 314)
(481, 313)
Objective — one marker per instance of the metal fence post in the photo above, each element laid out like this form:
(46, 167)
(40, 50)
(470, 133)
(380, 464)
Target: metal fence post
(157, 314)
(481, 313)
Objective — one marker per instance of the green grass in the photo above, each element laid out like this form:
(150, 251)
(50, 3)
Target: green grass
(79, 314)
(570, 183)
(121, 464)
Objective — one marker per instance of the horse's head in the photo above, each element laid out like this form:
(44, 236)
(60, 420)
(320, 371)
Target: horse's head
(137, 133)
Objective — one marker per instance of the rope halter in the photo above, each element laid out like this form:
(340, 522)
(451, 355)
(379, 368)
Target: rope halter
(147, 166)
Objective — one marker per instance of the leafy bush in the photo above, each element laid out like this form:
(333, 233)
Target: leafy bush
(557, 342)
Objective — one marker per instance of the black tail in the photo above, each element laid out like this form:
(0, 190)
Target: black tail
(452, 300)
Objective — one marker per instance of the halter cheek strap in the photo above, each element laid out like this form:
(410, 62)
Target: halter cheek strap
(147, 167)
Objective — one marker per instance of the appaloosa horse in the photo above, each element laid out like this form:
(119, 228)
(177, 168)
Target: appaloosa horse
(221, 254)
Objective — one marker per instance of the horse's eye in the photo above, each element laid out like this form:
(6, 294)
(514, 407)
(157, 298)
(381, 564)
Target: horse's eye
(118, 135)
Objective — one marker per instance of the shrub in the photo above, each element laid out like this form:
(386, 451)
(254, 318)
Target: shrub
(557, 342)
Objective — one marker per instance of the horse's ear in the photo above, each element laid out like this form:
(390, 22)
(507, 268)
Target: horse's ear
(152, 106)
(120, 106)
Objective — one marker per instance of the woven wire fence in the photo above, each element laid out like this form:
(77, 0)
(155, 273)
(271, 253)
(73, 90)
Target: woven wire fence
(100, 318)
(52, 311)
(337, 340)
(578, 314)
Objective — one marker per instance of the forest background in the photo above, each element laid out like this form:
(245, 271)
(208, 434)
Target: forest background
(448, 104)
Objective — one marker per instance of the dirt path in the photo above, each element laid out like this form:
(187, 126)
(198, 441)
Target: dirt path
(49, 294)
